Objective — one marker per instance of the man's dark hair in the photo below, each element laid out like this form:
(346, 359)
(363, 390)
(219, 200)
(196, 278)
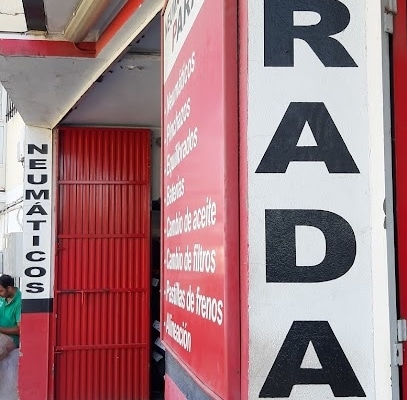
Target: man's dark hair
(6, 281)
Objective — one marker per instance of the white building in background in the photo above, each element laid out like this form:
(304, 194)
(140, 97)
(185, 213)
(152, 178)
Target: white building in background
(12, 131)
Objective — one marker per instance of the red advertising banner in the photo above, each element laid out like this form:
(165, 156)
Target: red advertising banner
(200, 263)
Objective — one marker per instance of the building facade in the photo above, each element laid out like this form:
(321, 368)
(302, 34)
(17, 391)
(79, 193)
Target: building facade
(203, 199)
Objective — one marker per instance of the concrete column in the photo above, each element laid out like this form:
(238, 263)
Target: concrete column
(317, 289)
(38, 259)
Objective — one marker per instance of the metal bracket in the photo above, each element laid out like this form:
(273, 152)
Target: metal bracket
(401, 337)
(398, 354)
(388, 23)
(402, 330)
(391, 7)
(389, 11)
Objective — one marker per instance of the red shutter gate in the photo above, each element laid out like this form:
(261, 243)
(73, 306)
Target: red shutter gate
(102, 269)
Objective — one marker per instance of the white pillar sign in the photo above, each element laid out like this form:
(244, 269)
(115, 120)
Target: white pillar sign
(37, 245)
(315, 177)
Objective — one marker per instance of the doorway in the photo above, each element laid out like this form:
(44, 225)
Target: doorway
(102, 274)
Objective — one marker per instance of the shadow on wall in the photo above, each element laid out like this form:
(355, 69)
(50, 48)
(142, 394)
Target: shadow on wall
(8, 376)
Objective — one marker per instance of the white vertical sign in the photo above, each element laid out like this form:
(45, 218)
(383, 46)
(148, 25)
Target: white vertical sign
(37, 233)
(317, 242)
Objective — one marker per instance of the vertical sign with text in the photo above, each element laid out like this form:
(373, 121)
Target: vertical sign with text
(37, 244)
(316, 239)
(199, 236)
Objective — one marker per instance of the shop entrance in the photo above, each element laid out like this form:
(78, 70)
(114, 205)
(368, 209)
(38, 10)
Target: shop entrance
(102, 274)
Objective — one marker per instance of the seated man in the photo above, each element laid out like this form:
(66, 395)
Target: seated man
(10, 316)
(10, 309)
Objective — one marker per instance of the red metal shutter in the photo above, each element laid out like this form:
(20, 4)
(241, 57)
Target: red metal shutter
(102, 275)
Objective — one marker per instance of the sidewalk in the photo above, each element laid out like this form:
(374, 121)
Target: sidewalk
(8, 376)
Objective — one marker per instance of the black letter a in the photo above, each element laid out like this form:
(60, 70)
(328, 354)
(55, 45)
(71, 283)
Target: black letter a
(335, 372)
(330, 148)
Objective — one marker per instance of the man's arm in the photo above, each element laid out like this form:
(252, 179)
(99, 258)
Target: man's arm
(11, 331)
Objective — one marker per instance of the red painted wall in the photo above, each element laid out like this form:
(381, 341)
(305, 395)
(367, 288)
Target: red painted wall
(400, 136)
(200, 194)
(172, 391)
(34, 358)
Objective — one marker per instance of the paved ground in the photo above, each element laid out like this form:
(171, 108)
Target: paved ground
(8, 376)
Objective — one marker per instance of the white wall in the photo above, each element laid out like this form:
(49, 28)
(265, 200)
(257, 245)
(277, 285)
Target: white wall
(3, 106)
(12, 17)
(11, 184)
(15, 131)
(11, 216)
